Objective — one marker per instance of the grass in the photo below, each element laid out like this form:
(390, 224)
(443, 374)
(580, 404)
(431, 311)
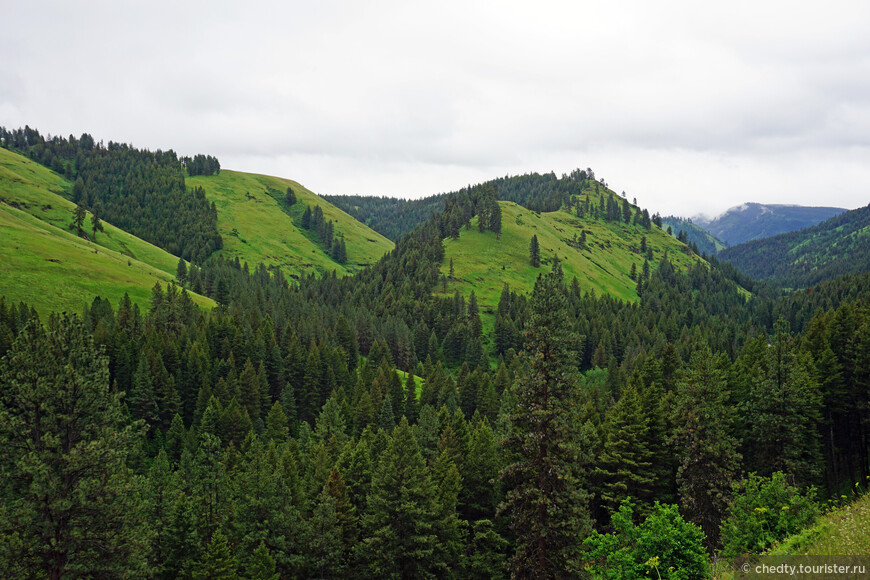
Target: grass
(40, 192)
(844, 531)
(257, 226)
(47, 266)
(483, 263)
(55, 271)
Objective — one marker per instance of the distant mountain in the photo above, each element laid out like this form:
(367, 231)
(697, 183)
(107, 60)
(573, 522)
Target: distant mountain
(840, 245)
(754, 221)
(707, 243)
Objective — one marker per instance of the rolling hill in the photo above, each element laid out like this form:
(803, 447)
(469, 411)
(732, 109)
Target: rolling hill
(753, 221)
(45, 264)
(840, 245)
(483, 263)
(258, 226)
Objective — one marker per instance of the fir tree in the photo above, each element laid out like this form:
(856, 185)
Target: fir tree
(400, 523)
(546, 498)
(534, 253)
(704, 443)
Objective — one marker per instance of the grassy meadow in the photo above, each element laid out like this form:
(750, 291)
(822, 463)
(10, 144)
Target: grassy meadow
(258, 226)
(483, 263)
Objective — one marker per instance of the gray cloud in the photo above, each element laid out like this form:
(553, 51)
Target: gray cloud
(688, 107)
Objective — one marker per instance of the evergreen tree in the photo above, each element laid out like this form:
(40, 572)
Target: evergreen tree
(79, 215)
(70, 505)
(96, 224)
(181, 272)
(704, 443)
(534, 252)
(782, 411)
(546, 498)
(217, 561)
(400, 524)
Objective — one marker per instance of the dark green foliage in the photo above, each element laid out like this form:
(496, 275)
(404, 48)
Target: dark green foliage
(663, 546)
(765, 510)
(803, 258)
(71, 507)
(139, 191)
(401, 523)
(534, 253)
(201, 165)
(782, 411)
(704, 442)
(546, 496)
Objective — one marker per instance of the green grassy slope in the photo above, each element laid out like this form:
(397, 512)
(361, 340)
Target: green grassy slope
(483, 264)
(257, 226)
(40, 192)
(47, 266)
(844, 531)
(54, 271)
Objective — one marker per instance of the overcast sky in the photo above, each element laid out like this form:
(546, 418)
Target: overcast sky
(688, 106)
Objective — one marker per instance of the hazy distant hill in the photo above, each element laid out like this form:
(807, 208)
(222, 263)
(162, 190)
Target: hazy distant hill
(753, 221)
(840, 245)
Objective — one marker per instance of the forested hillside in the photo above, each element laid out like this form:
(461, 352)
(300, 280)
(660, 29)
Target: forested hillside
(806, 257)
(141, 192)
(389, 216)
(373, 426)
(755, 221)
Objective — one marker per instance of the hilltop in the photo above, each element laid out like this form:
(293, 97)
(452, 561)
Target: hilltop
(840, 245)
(603, 264)
(259, 226)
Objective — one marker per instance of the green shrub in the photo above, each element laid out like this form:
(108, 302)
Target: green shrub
(765, 510)
(663, 546)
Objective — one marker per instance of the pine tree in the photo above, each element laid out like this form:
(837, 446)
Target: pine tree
(534, 252)
(181, 271)
(96, 224)
(70, 505)
(546, 498)
(79, 215)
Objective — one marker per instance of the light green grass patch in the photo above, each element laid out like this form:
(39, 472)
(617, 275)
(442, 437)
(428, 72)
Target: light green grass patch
(483, 263)
(55, 271)
(258, 227)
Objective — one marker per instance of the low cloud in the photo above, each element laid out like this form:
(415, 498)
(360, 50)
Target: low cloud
(689, 108)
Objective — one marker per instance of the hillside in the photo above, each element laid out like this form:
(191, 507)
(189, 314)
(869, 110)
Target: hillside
(484, 264)
(707, 243)
(258, 226)
(48, 266)
(754, 221)
(840, 245)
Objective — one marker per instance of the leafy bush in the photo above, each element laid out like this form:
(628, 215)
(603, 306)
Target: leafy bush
(663, 546)
(765, 510)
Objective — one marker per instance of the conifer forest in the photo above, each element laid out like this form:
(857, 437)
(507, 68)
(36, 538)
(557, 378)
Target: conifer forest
(390, 424)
